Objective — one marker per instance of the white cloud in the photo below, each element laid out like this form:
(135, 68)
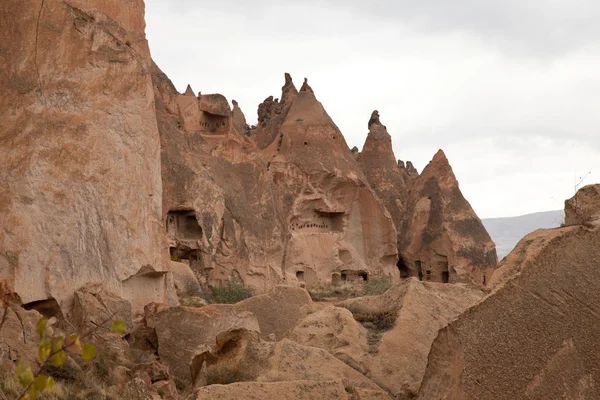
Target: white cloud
(516, 127)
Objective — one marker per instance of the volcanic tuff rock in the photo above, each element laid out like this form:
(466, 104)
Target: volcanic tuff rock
(80, 184)
(335, 224)
(440, 237)
(584, 207)
(443, 240)
(535, 336)
(420, 309)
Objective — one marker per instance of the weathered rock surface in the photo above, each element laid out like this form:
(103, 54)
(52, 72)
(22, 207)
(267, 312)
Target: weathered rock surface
(443, 240)
(218, 200)
(95, 306)
(335, 223)
(584, 207)
(294, 390)
(18, 337)
(181, 330)
(278, 311)
(335, 330)
(80, 185)
(398, 361)
(535, 336)
(440, 237)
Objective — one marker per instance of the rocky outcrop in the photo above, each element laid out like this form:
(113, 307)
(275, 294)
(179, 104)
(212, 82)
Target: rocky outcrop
(397, 357)
(535, 335)
(80, 185)
(443, 240)
(181, 330)
(218, 200)
(440, 238)
(336, 226)
(584, 207)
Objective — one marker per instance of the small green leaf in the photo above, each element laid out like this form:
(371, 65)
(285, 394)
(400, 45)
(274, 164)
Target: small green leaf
(73, 342)
(88, 352)
(42, 324)
(25, 375)
(58, 358)
(117, 326)
(40, 382)
(50, 382)
(33, 393)
(57, 343)
(44, 350)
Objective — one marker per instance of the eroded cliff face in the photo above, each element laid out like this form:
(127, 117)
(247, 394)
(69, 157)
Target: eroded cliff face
(219, 204)
(80, 183)
(535, 336)
(336, 228)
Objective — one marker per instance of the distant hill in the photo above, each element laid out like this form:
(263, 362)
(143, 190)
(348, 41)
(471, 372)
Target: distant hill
(506, 232)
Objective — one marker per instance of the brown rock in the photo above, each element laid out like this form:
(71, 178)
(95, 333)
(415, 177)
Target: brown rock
(443, 240)
(217, 197)
(411, 170)
(535, 336)
(334, 329)
(18, 337)
(239, 120)
(398, 356)
(180, 330)
(93, 306)
(584, 207)
(166, 390)
(277, 311)
(155, 371)
(294, 390)
(81, 189)
(335, 223)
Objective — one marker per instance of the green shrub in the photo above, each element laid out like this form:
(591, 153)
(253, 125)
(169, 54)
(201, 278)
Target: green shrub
(324, 293)
(233, 292)
(377, 286)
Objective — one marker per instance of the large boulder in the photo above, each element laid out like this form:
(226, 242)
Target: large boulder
(181, 330)
(279, 310)
(398, 353)
(335, 330)
(535, 336)
(80, 184)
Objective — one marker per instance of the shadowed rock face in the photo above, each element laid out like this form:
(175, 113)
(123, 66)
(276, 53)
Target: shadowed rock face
(583, 208)
(80, 186)
(535, 336)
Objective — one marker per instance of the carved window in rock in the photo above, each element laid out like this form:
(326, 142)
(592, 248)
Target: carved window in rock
(300, 275)
(354, 276)
(402, 268)
(183, 225)
(318, 222)
(419, 269)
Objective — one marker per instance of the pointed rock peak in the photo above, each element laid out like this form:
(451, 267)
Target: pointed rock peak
(288, 91)
(235, 103)
(306, 87)
(440, 157)
(401, 164)
(374, 118)
(411, 170)
(189, 91)
(288, 79)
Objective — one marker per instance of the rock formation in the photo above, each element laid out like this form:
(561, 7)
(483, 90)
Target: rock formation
(336, 227)
(535, 336)
(440, 238)
(80, 184)
(583, 208)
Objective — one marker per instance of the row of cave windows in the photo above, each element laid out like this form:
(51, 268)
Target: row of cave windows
(215, 125)
(405, 272)
(344, 275)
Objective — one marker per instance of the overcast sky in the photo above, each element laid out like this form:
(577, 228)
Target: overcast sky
(509, 89)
